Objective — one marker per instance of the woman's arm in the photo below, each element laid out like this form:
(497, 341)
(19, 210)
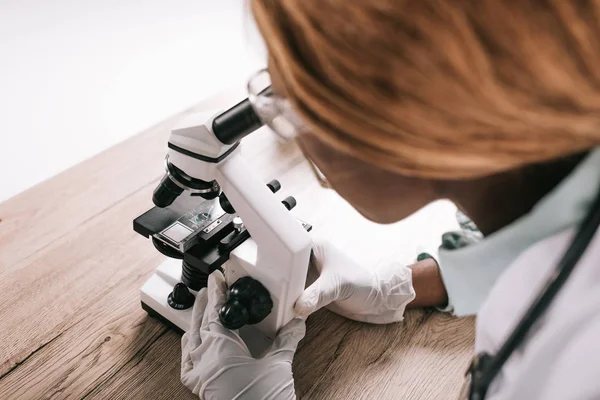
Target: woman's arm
(428, 285)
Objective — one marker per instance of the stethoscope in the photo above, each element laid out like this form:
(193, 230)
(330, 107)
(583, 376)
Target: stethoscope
(485, 367)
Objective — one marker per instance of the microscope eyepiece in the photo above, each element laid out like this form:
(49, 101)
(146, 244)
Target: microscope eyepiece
(237, 122)
(166, 192)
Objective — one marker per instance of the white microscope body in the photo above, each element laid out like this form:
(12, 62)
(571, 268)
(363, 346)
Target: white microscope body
(278, 250)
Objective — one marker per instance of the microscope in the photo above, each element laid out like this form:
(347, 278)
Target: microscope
(214, 213)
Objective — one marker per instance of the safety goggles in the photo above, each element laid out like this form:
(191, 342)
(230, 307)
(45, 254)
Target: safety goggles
(277, 113)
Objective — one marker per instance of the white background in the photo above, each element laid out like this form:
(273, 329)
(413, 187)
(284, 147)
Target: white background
(77, 76)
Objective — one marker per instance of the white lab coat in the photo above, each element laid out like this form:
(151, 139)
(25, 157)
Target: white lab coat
(469, 273)
(498, 278)
(561, 358)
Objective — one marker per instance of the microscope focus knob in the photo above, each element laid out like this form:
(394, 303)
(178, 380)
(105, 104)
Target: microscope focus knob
(181, 298)
(274, 185)
(233, 315)
(248, 302)
(289, 202)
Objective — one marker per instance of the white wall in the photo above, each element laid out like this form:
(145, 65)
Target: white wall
(77, 76)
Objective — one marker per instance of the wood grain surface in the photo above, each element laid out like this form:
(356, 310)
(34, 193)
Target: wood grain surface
(71, 268)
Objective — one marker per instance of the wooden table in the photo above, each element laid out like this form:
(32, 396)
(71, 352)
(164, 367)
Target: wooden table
(71, 268)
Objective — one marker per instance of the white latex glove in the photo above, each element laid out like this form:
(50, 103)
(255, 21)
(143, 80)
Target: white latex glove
(216, 364)
(377, 296)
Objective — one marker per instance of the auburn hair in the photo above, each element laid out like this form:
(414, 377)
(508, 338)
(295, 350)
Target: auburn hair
(445, 89)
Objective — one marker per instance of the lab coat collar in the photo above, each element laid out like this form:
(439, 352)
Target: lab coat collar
(470, 272)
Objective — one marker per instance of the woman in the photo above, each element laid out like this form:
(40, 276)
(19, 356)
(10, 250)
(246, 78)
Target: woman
(492, 104)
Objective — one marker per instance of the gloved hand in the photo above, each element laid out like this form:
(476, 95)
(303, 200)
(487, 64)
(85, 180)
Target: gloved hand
(216, 364)
(377, 296)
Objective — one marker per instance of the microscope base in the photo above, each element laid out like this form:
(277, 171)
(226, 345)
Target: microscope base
(153, 296)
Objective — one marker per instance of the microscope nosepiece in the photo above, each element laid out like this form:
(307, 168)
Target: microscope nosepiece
(166, 192)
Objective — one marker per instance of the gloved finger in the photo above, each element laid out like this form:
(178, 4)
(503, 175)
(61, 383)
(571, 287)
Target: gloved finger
(286, 342)
(320, 293)
(318, 254)
(191, 339)
(198, 311)
(217, 295)
(186, 361)
(211, 324)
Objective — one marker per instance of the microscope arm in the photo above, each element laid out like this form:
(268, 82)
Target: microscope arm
(279, 252)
